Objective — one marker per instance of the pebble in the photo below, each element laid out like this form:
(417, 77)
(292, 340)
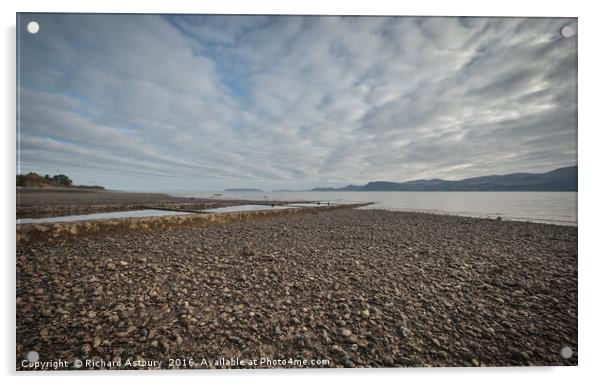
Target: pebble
(407, 362)
(417, 284)
(404, 332)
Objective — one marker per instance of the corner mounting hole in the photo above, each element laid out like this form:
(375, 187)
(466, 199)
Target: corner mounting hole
(567, 31)
(33, 356)
(33, 27)
(566, 352)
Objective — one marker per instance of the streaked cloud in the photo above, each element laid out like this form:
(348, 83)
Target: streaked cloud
(209, 102)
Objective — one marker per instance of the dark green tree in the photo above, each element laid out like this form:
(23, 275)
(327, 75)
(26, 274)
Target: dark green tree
(62, 179)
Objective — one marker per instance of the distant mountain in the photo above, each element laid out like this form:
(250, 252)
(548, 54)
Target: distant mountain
(561, 179)
(242, 190)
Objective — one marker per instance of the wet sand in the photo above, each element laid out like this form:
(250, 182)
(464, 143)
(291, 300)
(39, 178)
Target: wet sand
(361, 288)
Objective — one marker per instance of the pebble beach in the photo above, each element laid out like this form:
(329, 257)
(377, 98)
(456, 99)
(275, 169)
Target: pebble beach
(357, 288)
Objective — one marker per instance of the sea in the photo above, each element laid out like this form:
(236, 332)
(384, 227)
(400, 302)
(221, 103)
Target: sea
(543, 207)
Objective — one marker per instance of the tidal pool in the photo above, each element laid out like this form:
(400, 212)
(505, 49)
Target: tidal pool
(102, 215)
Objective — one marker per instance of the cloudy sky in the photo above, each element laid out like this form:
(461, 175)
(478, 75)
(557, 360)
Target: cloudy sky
(210, 102)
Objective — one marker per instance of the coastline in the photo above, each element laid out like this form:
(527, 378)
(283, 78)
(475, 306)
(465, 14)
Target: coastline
(532, 206)
(46, 202)
(357, 287)
(561, 223)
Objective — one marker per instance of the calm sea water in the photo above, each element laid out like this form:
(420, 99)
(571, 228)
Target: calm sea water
(546, 207)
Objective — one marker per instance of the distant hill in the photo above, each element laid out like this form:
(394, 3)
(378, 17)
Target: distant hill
(242, 190)
(561, 179)
(33, 180)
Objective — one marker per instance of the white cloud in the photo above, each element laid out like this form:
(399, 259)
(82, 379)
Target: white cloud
(217, 101)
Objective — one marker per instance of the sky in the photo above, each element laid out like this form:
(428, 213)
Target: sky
(204, 103)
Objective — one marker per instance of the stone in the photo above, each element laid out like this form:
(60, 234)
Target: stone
(407, 362)
(524, 355)
(346, 332)
(404, 332)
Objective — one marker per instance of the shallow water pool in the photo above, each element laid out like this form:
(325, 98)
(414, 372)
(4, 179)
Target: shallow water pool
(304, 205)
(246, 208)
(102, 215)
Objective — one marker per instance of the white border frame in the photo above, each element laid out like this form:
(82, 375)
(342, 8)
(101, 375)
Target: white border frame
(589, 182)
